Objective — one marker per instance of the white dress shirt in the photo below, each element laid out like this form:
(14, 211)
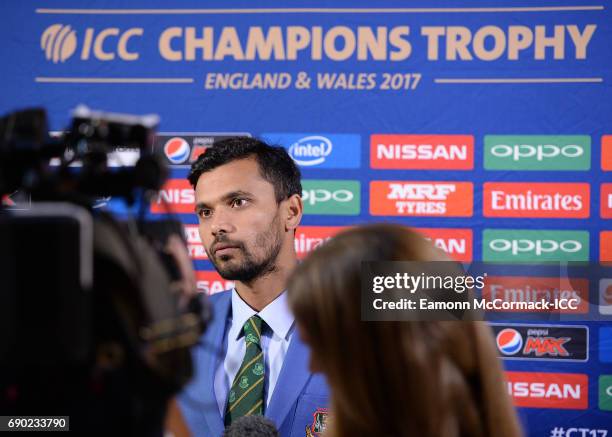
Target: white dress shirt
(275, 338)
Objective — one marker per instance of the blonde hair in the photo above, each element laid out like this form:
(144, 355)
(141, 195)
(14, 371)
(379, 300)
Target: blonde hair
(395, 378)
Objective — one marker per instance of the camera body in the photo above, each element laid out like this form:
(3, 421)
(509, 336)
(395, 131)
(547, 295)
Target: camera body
(91, 323)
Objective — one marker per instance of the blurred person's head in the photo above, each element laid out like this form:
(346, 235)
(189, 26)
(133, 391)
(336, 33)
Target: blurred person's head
(248, 204)
(396, 379)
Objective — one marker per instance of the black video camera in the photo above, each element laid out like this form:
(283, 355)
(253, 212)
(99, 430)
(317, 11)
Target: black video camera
(96, 316)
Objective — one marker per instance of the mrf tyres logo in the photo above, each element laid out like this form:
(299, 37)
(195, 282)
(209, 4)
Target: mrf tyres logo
(542, 342)
(194, 243)
(338, 197)
(537, 152)
(181, 149)
(430, 199)
(320, 150)
(524, 245)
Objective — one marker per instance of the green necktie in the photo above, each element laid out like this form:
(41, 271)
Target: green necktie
(246, 394)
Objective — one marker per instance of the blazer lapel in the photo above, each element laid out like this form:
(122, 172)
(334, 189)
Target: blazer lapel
(293, 377)
(201, 390)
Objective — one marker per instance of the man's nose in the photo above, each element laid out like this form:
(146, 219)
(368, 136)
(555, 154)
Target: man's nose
(221, 223)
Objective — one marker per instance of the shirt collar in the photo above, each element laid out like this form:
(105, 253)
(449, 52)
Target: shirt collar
(276, 315)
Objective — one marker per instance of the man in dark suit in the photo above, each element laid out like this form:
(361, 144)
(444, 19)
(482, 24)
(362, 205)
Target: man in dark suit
(251, 359)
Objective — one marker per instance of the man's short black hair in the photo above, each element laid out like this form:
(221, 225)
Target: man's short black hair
(275, 164)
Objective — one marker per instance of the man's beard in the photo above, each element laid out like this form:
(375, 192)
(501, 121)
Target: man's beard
(251, 268)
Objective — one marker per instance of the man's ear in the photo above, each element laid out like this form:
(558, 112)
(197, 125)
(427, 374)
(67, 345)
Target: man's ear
(293, 212)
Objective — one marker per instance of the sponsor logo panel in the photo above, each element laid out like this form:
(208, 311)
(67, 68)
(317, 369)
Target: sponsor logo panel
(210, 282)
(423, 198)
(605, 344)
(320, 150)
(542, 342)
(549, 390)
(606, 201)
(176, 196)
(605, 296)
(194, 243)
(537, 152)
(181, 149)
(536, 200)
(606, 153)
(605, 246)
(605, 392)
(457, 243)
(526, 245)
(536, 289)
(338, 197)
(307, 238)
(422, 152)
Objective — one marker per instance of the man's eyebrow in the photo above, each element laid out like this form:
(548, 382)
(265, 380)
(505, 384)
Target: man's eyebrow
(237, 193)
(228, 196)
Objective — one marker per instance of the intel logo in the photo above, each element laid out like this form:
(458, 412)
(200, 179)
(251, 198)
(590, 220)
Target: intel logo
(311, 150)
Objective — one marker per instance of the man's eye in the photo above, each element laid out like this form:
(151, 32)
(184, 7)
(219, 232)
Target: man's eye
(238, 202)
(204, 213)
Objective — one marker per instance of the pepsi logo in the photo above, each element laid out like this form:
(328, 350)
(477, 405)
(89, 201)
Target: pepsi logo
(177, 150)
(509, 341)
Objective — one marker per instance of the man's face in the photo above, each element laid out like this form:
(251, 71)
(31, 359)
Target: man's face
(239, 217)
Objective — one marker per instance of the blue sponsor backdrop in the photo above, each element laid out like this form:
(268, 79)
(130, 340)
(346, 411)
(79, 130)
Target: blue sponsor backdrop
(339, 73)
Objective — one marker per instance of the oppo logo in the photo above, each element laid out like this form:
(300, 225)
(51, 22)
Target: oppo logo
(540, 151)
(537, 247)
(59, 42)
(312, 197)
(312, 150)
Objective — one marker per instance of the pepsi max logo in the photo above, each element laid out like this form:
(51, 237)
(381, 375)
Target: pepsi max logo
(509, 341)
(177, 150)
(181, 149)
(542, 342)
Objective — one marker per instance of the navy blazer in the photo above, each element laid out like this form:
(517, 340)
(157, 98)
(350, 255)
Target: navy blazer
(299, 400)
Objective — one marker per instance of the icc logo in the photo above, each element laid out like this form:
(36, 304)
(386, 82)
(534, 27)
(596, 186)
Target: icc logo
(58, 42)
